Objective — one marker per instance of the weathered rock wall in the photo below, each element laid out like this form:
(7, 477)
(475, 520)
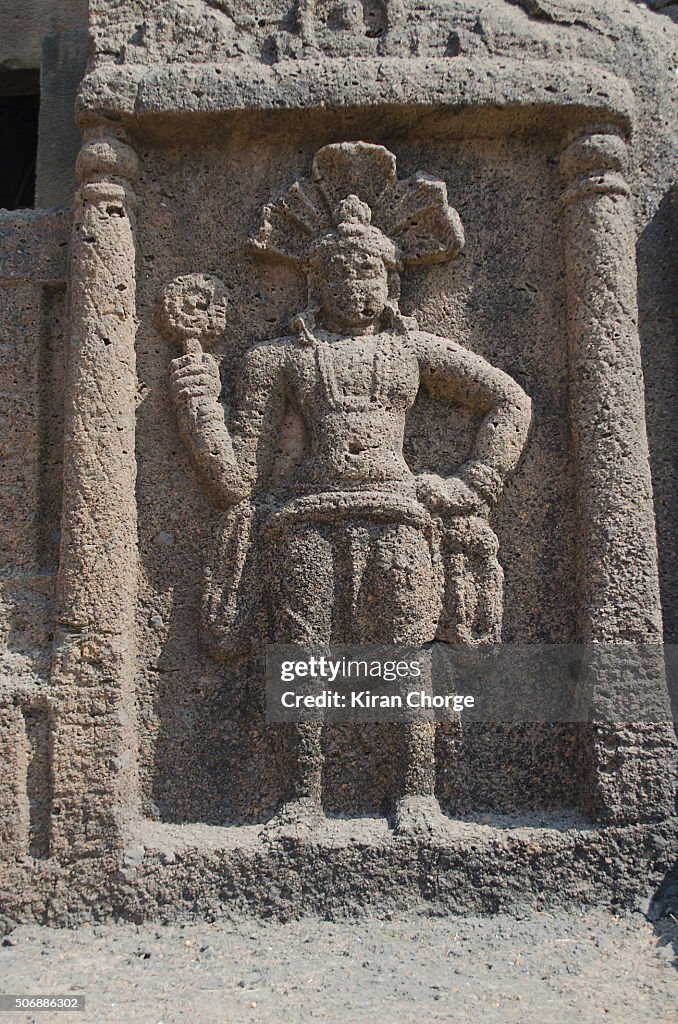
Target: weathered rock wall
(141, 766)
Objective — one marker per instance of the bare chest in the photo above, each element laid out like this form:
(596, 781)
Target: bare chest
(354, 374)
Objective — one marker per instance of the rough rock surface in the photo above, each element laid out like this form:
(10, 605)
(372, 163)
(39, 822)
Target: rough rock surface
(585, 966)
(141, 771)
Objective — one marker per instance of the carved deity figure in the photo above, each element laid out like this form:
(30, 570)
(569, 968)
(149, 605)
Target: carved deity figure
(342, 542)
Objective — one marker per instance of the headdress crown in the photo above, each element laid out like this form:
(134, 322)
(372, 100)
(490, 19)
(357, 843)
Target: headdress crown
(354, 194)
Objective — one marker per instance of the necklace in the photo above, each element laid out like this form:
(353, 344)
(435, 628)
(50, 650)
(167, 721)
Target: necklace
(336, 399)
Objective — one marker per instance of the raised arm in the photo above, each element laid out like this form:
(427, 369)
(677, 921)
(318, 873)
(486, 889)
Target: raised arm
(448, 370)
(227, 460)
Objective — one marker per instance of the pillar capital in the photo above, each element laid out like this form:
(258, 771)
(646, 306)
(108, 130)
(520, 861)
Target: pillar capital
(595, 162)
(106, 154)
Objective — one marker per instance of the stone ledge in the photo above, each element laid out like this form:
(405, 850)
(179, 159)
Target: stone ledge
(169, 873)
(337, 832)
(357, 865)
(136, 92)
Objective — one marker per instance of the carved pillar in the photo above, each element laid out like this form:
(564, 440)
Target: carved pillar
(630, 775)
(94, 656)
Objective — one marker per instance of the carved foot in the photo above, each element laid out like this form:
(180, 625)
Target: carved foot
(297, 819)
(419, 816)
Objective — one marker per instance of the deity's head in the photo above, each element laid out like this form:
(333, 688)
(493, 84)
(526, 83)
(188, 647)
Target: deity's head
(352, 226)
(353, 270)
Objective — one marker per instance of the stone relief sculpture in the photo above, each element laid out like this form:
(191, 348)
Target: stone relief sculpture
(373, 18)
(314, 26)
(327, 535)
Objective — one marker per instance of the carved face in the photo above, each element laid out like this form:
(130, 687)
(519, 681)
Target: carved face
(353, 289)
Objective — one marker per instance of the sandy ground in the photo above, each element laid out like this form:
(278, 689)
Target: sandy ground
(545, 968)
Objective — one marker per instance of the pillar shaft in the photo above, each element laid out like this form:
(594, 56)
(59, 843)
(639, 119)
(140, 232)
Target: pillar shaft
(629, 766)
(94, 652)
(618, 550)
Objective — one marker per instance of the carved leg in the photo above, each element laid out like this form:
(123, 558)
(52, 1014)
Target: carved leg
(401, 605)
(303, 599)
(303, 811)
(417, 811)
(303, 585)
(399, 601)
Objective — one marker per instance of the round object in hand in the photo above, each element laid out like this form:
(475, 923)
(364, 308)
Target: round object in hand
(193, 310)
